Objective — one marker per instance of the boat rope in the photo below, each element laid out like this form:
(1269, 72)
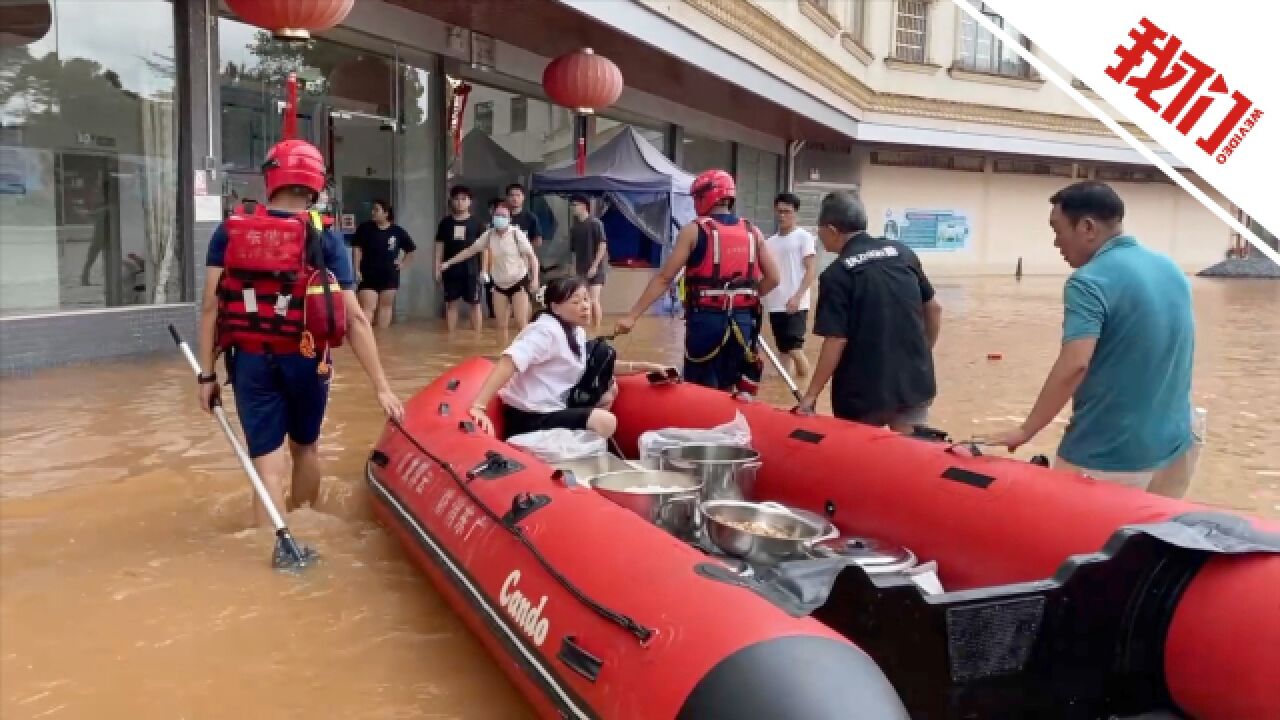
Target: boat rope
(644, 634)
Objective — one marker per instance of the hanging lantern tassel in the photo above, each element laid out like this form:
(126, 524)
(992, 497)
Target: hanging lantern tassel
(580, 139)
(459, 110)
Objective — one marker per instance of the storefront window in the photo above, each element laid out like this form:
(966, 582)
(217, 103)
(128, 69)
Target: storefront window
(369, 113)
(606, 128)
(504, 138)
(702, 153)
(88, 164)
(345, 108)
(758, 178)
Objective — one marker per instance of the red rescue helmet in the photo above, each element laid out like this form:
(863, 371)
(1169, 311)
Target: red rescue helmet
(710, 189)
(294, 162)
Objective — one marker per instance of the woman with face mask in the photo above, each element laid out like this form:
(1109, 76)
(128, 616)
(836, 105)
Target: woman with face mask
(512, 266)
(535, 375)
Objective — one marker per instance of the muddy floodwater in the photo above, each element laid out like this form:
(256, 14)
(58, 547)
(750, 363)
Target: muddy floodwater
(132, 587)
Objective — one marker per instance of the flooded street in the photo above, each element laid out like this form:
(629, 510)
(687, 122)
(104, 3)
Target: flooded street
(130, 586)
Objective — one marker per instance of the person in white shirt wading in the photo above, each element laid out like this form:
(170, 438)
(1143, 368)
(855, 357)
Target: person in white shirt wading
(788, 304)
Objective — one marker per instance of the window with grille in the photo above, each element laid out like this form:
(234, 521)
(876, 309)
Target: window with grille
(855, 19)
(519, 114)
(1033, 167)
(910, 32)
(1115, 173)
(484, 117)
(981, 51)
(930, 160)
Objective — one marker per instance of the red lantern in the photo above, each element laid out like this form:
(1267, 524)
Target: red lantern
(23, 22)
(292, 20)
(582, 81)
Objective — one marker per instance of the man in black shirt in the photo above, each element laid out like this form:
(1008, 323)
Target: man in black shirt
(521, 217)
(456, 233)
(880, 320)
(590, 248)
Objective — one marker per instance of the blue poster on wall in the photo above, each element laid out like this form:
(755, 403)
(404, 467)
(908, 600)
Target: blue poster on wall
(929, 230)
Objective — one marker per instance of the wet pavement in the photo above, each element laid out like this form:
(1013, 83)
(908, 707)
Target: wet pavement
(131, 585)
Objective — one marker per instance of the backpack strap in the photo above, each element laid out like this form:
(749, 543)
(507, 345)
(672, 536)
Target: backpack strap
(712, 230)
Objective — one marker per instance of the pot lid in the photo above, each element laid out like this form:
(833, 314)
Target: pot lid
(871, 553)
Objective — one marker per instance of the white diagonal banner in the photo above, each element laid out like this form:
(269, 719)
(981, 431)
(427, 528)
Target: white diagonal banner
(1193, 76)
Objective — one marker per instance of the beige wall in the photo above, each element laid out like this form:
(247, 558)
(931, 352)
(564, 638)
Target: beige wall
(1009, 217)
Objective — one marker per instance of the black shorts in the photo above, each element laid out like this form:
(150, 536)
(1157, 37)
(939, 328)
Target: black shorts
(597, 279)
(518, 422)
(461, 284)
(521, 284)
(379, 282)
(789, 329)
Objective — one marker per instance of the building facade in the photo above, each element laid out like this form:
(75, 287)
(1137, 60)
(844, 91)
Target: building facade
(128, 128)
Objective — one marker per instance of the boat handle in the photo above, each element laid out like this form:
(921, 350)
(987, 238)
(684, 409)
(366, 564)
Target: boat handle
(578, 659)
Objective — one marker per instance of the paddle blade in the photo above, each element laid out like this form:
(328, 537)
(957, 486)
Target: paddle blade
(291, 556)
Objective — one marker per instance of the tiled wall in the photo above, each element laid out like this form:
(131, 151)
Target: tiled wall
(31, 343)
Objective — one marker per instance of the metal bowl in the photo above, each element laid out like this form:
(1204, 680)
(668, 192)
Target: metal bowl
(666, 499)
(800, 530)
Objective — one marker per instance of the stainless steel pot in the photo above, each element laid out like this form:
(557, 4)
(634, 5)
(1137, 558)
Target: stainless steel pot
(801, 532)
(666, 499)
(875, 556)
(727, 472)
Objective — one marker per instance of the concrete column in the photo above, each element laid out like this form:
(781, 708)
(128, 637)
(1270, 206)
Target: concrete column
(199, 144)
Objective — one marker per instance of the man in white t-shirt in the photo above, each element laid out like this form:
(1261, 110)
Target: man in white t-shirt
(796, 253)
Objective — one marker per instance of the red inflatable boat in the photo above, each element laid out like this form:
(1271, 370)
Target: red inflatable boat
(1065, 598)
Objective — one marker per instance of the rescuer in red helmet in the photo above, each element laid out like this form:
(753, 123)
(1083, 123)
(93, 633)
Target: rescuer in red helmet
(277, 298)
(727, 267)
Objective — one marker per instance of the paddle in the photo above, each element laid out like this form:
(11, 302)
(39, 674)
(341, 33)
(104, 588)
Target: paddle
(786, 377)
(288, 554)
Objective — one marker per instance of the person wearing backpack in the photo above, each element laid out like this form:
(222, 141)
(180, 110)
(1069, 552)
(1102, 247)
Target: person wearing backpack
(727, 268)
(512, 264)
(551, 376)
(278, 296)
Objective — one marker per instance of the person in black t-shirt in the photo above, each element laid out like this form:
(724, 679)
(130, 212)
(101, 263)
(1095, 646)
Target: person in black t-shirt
(590, 252)
(457, 232)
(521, 217)
(378, 245)
(880, 320)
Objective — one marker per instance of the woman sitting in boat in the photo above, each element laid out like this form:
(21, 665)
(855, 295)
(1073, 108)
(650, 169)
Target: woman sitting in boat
(545, 361)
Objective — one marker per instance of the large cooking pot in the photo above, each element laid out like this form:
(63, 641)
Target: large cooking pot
(666, 499)
(764, 533)
(727, 472)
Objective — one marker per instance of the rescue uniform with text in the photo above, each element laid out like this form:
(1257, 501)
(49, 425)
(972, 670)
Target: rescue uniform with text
(280, 307)
(722, 306)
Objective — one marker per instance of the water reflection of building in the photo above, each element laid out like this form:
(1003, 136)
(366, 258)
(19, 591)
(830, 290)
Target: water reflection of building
(129, 126)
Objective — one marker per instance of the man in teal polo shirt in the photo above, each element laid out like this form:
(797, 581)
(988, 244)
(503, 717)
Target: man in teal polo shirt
(1127, 345)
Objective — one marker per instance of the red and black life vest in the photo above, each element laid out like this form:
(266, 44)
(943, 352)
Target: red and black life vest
(271, 297)
(728, 277)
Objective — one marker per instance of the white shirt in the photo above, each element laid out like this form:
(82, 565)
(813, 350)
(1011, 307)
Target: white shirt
(546, 369)
(789, 251)
(507, 264)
